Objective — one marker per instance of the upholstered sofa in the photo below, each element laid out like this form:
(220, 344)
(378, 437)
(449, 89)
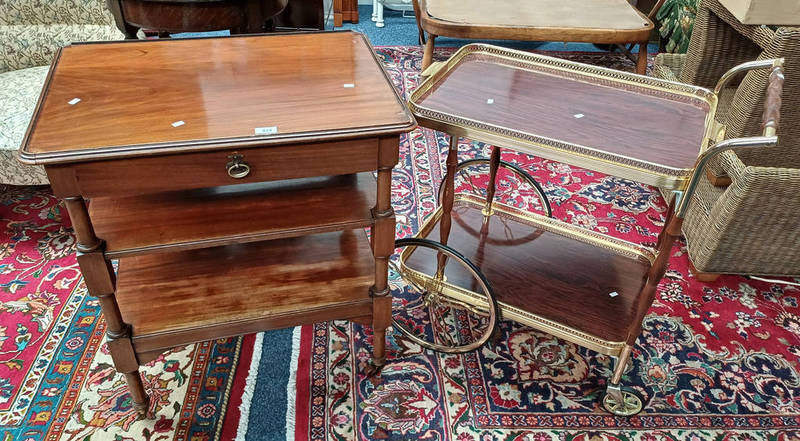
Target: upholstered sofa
(30, 33)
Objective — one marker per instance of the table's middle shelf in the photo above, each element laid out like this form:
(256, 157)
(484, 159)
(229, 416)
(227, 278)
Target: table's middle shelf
(217, 216)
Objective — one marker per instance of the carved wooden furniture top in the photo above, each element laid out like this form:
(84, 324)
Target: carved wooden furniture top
(104, 100)
(615, 122)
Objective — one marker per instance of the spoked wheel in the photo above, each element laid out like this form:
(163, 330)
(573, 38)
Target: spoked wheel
(622, 401)
(514, 186)
(442, 300)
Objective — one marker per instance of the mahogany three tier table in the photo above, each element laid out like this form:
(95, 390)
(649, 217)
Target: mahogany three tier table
(232, 177)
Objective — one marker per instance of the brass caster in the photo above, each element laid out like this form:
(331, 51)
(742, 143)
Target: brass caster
(622, 401)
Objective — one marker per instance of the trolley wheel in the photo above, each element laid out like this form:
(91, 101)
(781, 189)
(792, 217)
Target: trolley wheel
(453, 311)
(461, 173)
(622, 401)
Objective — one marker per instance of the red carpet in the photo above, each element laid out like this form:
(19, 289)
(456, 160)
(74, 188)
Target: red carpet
(716, 361)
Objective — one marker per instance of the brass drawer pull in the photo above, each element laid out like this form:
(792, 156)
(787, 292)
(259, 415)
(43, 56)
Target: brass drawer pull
(237, 167)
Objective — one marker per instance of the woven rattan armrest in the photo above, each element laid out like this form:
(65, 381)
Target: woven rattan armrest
(668, 66)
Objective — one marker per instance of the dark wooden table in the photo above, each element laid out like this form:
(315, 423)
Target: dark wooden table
(199, 257)
(240, 16)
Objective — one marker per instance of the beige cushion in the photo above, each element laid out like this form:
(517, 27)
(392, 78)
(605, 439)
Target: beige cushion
(602, 14)
(19, 91)
(23, 46)
(17, 12)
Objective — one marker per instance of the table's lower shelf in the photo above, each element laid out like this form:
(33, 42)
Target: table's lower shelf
(178, 298)
(555, 277)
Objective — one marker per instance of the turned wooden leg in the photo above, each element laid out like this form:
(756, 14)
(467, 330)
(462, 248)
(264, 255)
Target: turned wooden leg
(622, 362)
(494, 164)
(420, 32)
(381, 319)
(446, 220)
(701, 276)
(641, 61)
(427, 56)
(382, 239)
(338, 19)
(98, 274)
(666, 239)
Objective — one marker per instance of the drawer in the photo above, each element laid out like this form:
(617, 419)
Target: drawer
(133, 176)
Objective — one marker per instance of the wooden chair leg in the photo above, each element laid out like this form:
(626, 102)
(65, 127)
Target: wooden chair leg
(427, 56)
(701, 276)
(718, 181)
(641, 62)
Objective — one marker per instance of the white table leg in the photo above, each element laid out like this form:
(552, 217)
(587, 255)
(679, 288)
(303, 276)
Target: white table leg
(379, 21)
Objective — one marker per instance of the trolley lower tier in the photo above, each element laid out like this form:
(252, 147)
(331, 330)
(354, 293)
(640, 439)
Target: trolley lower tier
(546, 274)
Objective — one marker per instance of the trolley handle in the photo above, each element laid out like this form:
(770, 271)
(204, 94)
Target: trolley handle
(772, 103)
(770, 121)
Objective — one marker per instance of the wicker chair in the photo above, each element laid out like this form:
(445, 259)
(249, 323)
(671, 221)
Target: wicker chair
(743, 220)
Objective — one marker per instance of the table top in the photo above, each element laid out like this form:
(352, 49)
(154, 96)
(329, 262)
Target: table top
(623, 124)
(134, 98)
(598, 14)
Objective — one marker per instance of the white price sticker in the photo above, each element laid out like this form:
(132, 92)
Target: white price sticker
(266, 130)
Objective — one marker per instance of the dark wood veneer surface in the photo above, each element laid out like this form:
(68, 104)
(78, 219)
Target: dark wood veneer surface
(238, 213)
(210, 287)
(624, 123)
(547, 274)
(131, 93)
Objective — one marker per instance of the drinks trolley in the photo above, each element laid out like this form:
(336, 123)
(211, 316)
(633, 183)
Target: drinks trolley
(579, 285)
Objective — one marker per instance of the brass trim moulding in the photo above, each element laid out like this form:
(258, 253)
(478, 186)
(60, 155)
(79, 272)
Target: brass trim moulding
(233, 142)
(579, 155)
(528, 318)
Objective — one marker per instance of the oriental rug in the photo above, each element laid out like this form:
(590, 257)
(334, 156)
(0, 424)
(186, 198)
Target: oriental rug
(716, 361)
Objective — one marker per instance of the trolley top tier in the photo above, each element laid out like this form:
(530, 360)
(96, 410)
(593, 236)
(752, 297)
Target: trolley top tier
(619, 123)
